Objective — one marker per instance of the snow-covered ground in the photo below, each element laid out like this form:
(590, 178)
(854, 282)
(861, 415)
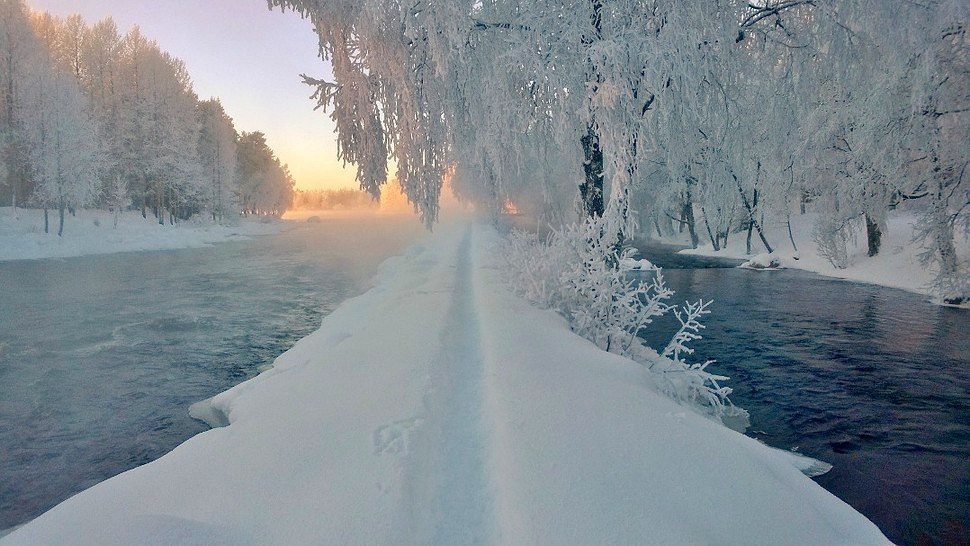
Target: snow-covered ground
(93, 232)
(896, 265)
(437, 408)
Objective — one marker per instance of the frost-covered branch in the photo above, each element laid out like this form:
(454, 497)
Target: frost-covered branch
(579, 272)
(689, 331)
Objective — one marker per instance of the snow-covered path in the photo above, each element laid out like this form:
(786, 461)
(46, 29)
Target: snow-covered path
(439, 409)
(463, 496)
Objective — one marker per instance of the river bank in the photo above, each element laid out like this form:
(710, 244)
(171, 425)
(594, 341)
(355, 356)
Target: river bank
(896, 266)
(93, 232)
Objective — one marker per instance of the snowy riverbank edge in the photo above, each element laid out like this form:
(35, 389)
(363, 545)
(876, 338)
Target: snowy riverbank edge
(93, 232)
(896, 266)
(438, 408)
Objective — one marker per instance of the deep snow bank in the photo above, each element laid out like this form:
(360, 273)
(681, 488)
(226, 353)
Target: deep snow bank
(437, 408)
(22, 234)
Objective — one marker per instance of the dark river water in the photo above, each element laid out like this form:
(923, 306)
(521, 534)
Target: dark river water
(100, 357)
(873, 380)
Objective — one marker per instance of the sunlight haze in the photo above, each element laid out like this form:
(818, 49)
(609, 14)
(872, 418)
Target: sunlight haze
(250, 58)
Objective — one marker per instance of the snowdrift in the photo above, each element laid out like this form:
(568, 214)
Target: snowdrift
(437, 408)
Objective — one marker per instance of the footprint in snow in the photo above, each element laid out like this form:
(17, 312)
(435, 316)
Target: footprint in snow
(394, 438)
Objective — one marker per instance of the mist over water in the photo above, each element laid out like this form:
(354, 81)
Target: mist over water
(100, 357)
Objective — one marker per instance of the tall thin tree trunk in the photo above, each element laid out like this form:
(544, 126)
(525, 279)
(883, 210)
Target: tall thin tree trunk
(60, 225)
(751, 224)
(591, 190)
(792, 237)
(747, 241)
(47, 222)
(873, 235)
(710, 233)
(687, 216)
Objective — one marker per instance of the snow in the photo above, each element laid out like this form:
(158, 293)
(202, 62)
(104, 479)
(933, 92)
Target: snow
(896, 265)
(92, 232)
(635, 264)
(764, 260)
(437, 408)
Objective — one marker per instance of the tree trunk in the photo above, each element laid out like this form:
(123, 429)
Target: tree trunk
(873, 235)
(47, 222)
(60, 225)
(750, 224)
(792, 237)
(747, 241)
(591, 190)
(710, 234)
(688, 218)
(751, 215)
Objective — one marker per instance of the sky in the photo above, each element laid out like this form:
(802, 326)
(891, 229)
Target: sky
(250, 58)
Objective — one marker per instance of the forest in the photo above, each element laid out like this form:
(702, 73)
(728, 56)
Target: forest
(90, 117)
(713, 118)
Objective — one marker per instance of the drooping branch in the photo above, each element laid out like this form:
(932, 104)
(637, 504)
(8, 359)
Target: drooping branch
(487, 25)
(760, 13)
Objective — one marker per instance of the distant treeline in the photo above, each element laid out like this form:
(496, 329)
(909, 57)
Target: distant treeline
(342, 199)
(90, 117)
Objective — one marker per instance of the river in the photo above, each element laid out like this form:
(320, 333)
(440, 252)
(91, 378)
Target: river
(873, 380)
(101, 356)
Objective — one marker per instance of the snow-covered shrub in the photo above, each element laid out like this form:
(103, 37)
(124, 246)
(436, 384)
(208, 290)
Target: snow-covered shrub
(832, 237)
(935, 230)
(764, 260)
(692, 382)
(581, 273)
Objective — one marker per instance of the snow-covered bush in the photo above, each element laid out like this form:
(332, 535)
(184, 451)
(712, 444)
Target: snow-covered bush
(580, 272)
(832, 237)
(935, 229)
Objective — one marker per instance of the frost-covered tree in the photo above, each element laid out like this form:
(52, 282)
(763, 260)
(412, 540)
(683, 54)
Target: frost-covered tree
(891, 125)
(408, 78)
(101, 59)
(217, 155)
(160, 129)
(173, 168)
(718, 116)
(63, 148)
(265, 184)
(20, 59)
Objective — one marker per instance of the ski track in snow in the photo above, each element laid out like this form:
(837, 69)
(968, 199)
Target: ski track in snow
(463, 503)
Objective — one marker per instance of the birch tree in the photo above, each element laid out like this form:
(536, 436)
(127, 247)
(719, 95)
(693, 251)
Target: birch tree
(217, 156)
(63, 148)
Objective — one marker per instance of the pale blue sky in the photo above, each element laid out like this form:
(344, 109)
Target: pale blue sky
(249, 57)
